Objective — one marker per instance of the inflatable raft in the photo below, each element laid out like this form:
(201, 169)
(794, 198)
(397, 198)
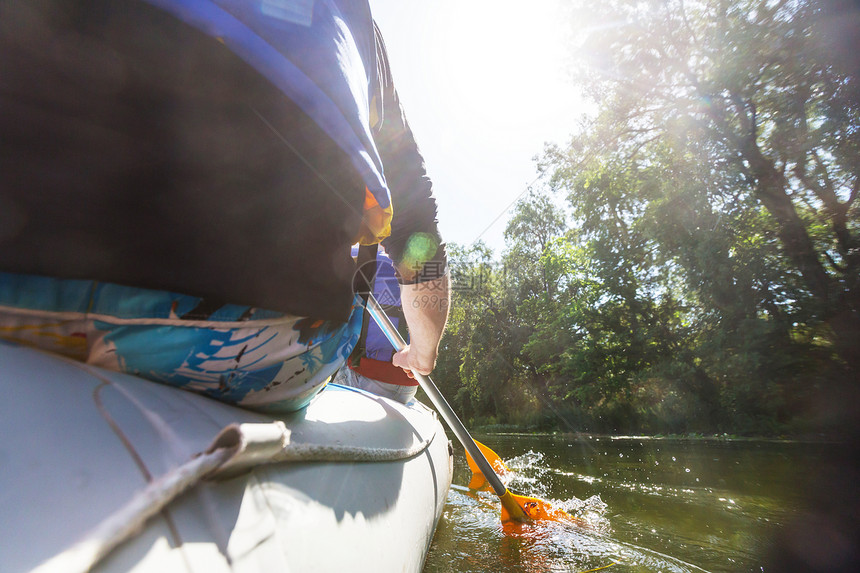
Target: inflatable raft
(102, 471)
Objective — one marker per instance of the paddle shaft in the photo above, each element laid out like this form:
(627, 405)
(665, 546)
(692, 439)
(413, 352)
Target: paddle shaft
(438, 400)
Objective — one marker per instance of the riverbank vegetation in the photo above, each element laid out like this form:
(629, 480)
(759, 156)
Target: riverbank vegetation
(690, 260)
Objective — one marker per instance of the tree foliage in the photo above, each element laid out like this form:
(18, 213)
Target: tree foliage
(704, 274)
(744, 99)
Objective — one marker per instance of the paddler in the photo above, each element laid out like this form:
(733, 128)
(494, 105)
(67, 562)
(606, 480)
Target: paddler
(180, 185)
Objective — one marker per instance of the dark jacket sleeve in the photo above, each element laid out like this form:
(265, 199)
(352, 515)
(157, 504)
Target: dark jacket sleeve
(415, 244)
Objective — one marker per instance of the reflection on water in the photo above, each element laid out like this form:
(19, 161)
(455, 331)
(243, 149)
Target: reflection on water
(649, 505)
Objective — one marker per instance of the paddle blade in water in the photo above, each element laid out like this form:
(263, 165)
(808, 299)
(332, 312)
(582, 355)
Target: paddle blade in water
(515, 508)
(536, 509)
(495, 461)
(512, 510)
(479, 483)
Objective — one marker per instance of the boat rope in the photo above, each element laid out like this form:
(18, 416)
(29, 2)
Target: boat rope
(235, 450)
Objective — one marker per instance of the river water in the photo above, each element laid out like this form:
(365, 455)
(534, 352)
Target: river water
(648, 504)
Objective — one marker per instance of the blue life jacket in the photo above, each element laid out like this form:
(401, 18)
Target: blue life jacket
(307, 48)
(373, 344)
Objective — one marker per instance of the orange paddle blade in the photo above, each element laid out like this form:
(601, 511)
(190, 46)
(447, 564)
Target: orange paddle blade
(536, 509)
(515, 508)
(479, 483)
(495, 461)
(539, 509)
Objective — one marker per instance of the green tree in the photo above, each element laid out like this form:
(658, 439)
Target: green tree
(478, 354)
(534, 224)
(749, 91)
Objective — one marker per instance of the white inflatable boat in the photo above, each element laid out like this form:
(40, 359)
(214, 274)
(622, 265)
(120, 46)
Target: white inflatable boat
(106, 472)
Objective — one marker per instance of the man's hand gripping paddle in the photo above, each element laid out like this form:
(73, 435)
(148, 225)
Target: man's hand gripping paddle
(514, 507)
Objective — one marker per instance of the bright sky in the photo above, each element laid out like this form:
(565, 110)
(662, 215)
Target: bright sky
(484, 85)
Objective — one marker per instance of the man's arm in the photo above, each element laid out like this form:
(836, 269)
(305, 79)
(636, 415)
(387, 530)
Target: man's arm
(425, 306)
(415, 245)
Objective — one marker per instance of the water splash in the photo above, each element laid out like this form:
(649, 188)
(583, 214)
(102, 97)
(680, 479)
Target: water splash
(644, 511)
(546, 545)
(529, 473)
(483, 543)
